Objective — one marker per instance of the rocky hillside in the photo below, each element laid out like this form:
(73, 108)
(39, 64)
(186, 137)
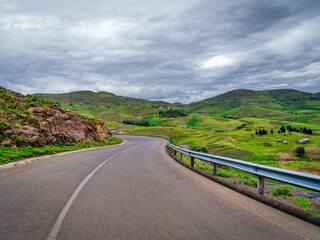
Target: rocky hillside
(28, 120)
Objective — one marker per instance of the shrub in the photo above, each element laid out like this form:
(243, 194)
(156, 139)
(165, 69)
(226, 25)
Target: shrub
(4, 126)
(300, 151)
(199, 148)
(20, 141)
(281, 191)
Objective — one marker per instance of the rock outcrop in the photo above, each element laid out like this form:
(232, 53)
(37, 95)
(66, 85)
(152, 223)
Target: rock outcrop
(41, 122)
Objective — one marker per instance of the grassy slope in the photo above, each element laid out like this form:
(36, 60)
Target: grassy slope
(106, 106)
(284, 104)
(243, 144)
(10, 154)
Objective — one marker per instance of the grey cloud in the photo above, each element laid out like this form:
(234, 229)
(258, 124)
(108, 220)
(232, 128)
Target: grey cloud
(169, 50)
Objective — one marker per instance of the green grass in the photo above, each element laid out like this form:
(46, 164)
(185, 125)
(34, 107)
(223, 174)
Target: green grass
(306, 203)
(245, 145)
(283, 191)
(10, 154)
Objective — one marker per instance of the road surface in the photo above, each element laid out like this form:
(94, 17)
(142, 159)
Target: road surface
(131, 191)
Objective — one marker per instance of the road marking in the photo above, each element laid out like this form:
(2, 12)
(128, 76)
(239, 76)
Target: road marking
(57, 225)
(12, 172)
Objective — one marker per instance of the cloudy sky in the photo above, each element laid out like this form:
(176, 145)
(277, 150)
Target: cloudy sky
(173, 50)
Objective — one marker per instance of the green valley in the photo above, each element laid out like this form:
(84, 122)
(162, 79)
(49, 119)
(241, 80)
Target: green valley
(234, 117)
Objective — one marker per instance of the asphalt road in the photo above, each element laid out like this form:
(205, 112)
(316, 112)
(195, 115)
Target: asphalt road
(131, 191)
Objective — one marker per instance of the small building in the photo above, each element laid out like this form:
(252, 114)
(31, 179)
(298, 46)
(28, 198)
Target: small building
(113, 132)
(182, 126)
(285, 142)
(248, 129)
(303, 141)
(290, 133)
(279, 141)
(235, 129)
(285, 134)
(213, 131)
(245, 126)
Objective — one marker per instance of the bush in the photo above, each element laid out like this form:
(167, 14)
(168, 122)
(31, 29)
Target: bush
(199, 148)
(281, 191)
(20, 141)
(300, 151)
(4, 126)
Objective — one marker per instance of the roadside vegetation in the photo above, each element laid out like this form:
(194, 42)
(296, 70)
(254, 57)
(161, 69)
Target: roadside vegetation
(11, 154)
(280, 191)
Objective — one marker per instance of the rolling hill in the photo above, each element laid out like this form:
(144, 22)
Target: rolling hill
(106, 106)
(282, 104)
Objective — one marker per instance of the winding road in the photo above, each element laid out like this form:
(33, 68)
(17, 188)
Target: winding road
(131, 191)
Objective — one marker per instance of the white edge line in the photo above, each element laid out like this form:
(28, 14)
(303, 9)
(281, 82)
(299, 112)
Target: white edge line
(57, 225)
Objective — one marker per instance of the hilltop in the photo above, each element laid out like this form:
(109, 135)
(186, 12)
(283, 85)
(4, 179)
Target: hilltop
(28, 120)
(282, 104)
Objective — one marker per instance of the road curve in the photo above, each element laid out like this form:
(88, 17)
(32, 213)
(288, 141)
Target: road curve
(131, 191)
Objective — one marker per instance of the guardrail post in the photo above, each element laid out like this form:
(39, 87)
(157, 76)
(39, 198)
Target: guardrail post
(214, 169)
(175, 152)
(192, 161)
(181, 155)
(260, 188)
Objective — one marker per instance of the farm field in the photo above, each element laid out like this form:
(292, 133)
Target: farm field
(242, 143)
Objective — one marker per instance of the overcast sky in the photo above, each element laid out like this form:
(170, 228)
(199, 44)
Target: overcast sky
(173, 50)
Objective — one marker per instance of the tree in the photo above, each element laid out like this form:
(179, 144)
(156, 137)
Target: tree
(304, 130)
(271, 131)
(300, 151)
(199, 148)
(282, 129)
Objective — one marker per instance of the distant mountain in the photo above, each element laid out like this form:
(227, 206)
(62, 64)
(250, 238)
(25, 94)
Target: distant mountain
(278, 104)
(106, 106)
(28, 120)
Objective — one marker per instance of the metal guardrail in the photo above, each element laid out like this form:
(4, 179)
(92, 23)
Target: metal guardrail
(305, 180)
